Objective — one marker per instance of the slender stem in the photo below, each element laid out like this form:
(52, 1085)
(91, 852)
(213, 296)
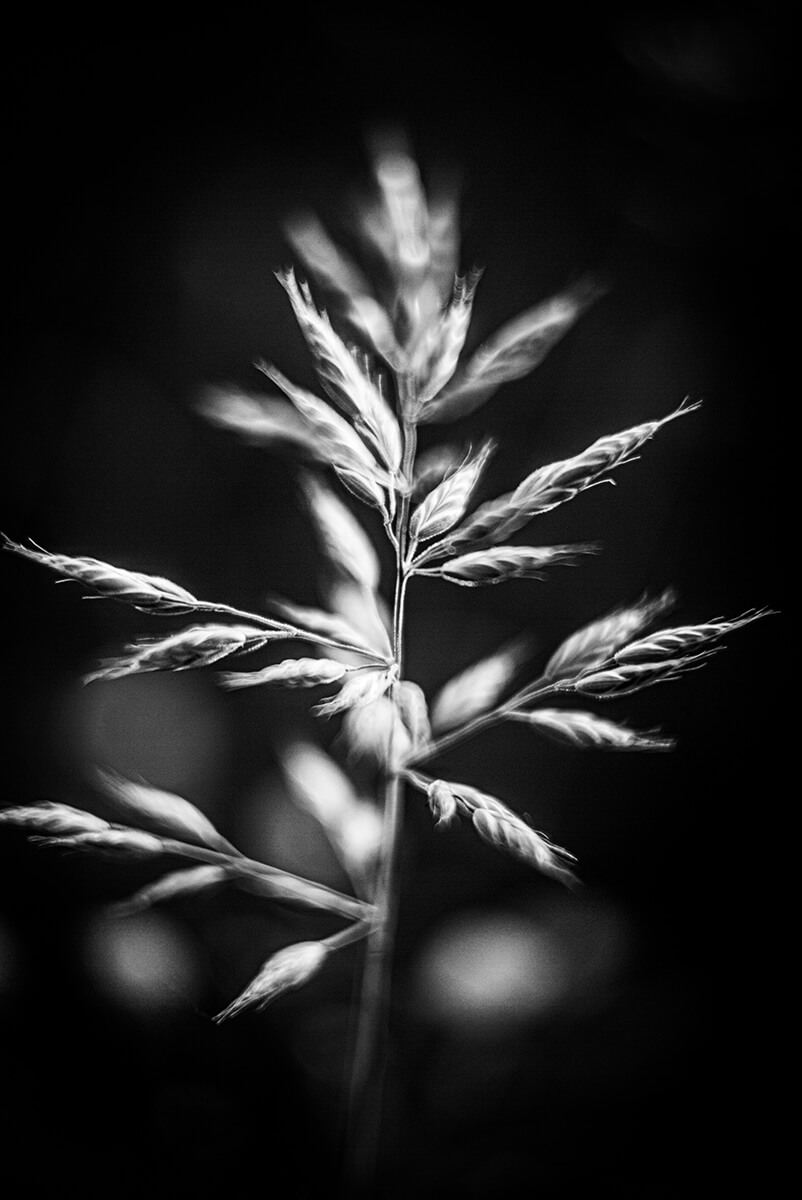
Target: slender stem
(370, 1055)
(279, 882)
(533, 691)
(292, 631)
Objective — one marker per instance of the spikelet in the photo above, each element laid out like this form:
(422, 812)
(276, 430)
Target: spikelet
(548, 487)
(49, 817)
(498, 564)
(442, 802)
(362, 688)
(438, 356)
(343, 540)
(186, 882)
(260, 420)
(499, 825)
(585, 730)
(288, 969)
(196, 646)
(627, 678)
(376, 731)
(477, 688)
(411, 703)
(339, 442)
(667, 642)
(114, 843)
(346, 384)
(150, 593)
(159, 811)
(446, 504)
(595, 643)
(519, 839)
(292, 672)
(512, 352)
(336, 272)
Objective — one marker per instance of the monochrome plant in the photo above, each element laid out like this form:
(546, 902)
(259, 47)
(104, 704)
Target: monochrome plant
(392, 360)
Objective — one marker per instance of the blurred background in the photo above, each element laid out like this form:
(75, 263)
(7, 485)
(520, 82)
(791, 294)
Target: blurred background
(609, 1043)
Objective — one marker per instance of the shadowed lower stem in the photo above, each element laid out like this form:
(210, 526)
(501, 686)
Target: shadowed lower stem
(370, 1053)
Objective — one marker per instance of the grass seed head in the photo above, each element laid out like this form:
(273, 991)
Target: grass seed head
(290, 968)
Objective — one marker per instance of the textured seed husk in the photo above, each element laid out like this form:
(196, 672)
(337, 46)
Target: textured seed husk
(292, 672)
(290, 968)
(586, 730)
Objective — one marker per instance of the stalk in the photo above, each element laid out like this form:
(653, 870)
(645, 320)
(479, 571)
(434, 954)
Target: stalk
(370, 1052)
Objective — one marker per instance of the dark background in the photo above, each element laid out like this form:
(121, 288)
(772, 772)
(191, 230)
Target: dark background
(148, 176)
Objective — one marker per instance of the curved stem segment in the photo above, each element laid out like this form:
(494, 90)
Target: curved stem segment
(370, 1054)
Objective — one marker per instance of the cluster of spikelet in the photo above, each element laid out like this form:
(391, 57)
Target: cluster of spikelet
(397, 362)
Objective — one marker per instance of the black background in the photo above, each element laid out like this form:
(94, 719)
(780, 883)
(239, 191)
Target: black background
(148, 176)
